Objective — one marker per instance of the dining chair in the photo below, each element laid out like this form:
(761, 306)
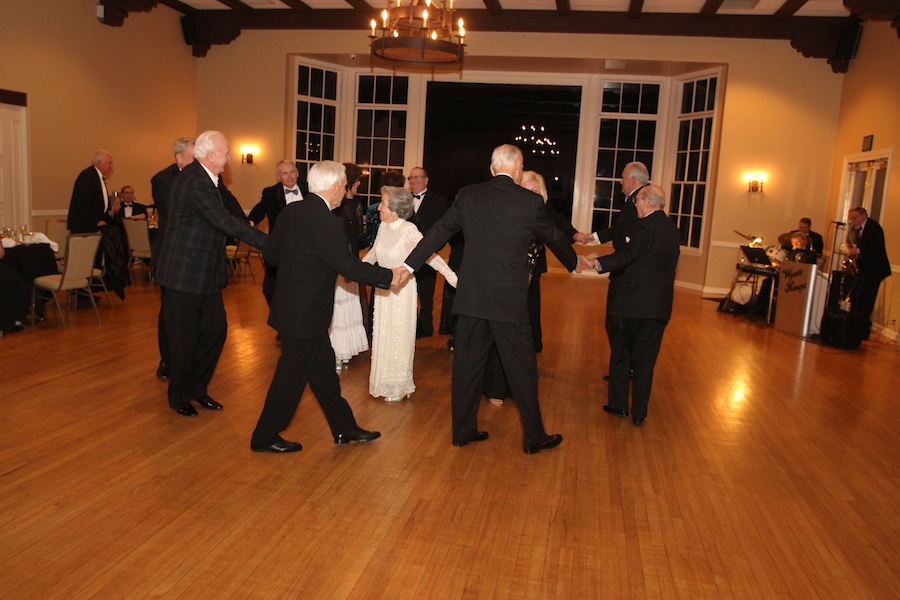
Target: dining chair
(138, 242)
(75, 279)
(57, 231)
(239, 259)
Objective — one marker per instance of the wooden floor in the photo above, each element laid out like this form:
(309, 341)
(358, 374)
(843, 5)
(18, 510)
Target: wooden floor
(767, 468)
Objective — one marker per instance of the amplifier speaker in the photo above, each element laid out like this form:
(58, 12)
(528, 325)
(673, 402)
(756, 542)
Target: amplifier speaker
(843, 329)
(841, 282)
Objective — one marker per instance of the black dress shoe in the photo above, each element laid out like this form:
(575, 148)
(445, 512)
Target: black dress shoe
(551, 442)
(162, 371)
(613, 411)
(479, 436)
(356, 435)
(187, 411)
(209, 404)
(630, 376)
(280, 446)
(638, 421)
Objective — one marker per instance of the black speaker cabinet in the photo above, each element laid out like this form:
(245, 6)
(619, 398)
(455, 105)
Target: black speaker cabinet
(844, 329)
(841, 281)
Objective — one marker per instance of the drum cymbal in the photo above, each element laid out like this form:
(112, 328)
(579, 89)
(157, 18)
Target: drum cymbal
(785, 239)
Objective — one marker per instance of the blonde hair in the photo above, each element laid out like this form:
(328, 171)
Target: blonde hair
(533, 176)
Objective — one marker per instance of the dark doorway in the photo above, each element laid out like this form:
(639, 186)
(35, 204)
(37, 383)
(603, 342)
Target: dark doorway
(464, 122)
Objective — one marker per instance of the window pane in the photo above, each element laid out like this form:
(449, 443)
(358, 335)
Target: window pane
(401, 90)
(315, 117)
(606, 163)
(627, 134)
(687, 95)
(315, 147)
(631, 97)
(398, 126)
(327, 147)
(612, 97)
(695, 232)
(711, 97)
(603, 195)
(646, 134)
(650, 99)
(680, 166)
(302, 81)
(675, 200)
(366, 94)
(398, 150)
(363, 151)
(316, 83)
(301, 146)
(383, 86)
(302, 115)
(700, 200)
(608, 131)
(380, 152)
(329, 119)
(364, 123)
(382, 124)
(646, 158)
(330, 85)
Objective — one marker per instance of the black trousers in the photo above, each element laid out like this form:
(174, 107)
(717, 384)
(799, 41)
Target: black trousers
(864, 293)
(474, 338)
(426, 279)
(635, 347)
(162, 335)
(197, 327)
(303, 361)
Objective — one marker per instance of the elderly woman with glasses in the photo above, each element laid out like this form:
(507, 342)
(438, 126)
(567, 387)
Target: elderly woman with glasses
(394, 325)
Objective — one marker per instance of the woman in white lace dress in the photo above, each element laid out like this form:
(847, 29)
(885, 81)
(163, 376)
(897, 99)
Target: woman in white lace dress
(394, 327)
(347, 332)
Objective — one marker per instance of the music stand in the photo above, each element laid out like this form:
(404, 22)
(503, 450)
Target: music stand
(756, 256)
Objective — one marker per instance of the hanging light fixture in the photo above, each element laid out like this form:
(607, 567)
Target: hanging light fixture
(419, 32)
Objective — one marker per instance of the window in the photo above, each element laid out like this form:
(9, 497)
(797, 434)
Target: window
(316, 116)
(381, 109)
(687, 197)
(628, 123)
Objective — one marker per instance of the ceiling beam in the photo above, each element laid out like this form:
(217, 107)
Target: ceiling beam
(789, 8)
(635, 8)
(237, 5)
(492, 6)
(711, 7)
(563, 8)
(298, 6)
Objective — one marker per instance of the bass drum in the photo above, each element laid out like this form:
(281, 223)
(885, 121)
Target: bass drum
(776, 254)
(742, 292)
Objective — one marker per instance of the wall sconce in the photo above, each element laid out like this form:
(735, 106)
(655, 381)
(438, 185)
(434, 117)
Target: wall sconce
(247, 152)
(755, 182)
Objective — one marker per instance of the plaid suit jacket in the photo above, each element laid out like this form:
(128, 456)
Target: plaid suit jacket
(192, 257)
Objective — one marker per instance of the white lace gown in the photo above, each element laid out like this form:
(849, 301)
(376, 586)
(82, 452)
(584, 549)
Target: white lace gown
(347, 332)
(394, 325)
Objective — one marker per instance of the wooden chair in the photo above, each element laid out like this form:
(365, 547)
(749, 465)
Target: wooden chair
(138, 243)
(75, 279)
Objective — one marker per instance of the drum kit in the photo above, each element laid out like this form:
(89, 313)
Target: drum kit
(777, 253)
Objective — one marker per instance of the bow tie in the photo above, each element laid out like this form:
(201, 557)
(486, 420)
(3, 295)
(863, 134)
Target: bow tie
(418, 196)
(287, 191)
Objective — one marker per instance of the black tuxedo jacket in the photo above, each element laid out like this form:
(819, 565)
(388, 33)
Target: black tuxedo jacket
(498, 219)
(160, 187)
(309, 248)
(86, 207)
(272, 202)
(873, 259)
(647, 284)
(432, 208)
(136, 209)
(192, 256)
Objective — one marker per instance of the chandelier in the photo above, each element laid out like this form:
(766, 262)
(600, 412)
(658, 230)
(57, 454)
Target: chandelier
(420, 32)
(534, 138)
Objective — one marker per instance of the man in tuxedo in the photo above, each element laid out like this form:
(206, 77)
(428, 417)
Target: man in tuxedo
(871, 259)
(429, 207)
(309, 247)
(192, 269)
(815, 243)
(274, 199)
(131, 209)
(498, 219)
(89, 205)
(642, 305)
(635, 176)
(160, 186)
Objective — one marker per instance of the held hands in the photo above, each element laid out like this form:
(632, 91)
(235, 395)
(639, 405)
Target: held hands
(401, 276)
(585, 263)
(583, 238)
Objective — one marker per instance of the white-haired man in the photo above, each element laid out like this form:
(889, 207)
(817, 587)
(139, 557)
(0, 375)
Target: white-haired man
(192, 269)
(498, 219)
(642, 306)
(309, 248)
